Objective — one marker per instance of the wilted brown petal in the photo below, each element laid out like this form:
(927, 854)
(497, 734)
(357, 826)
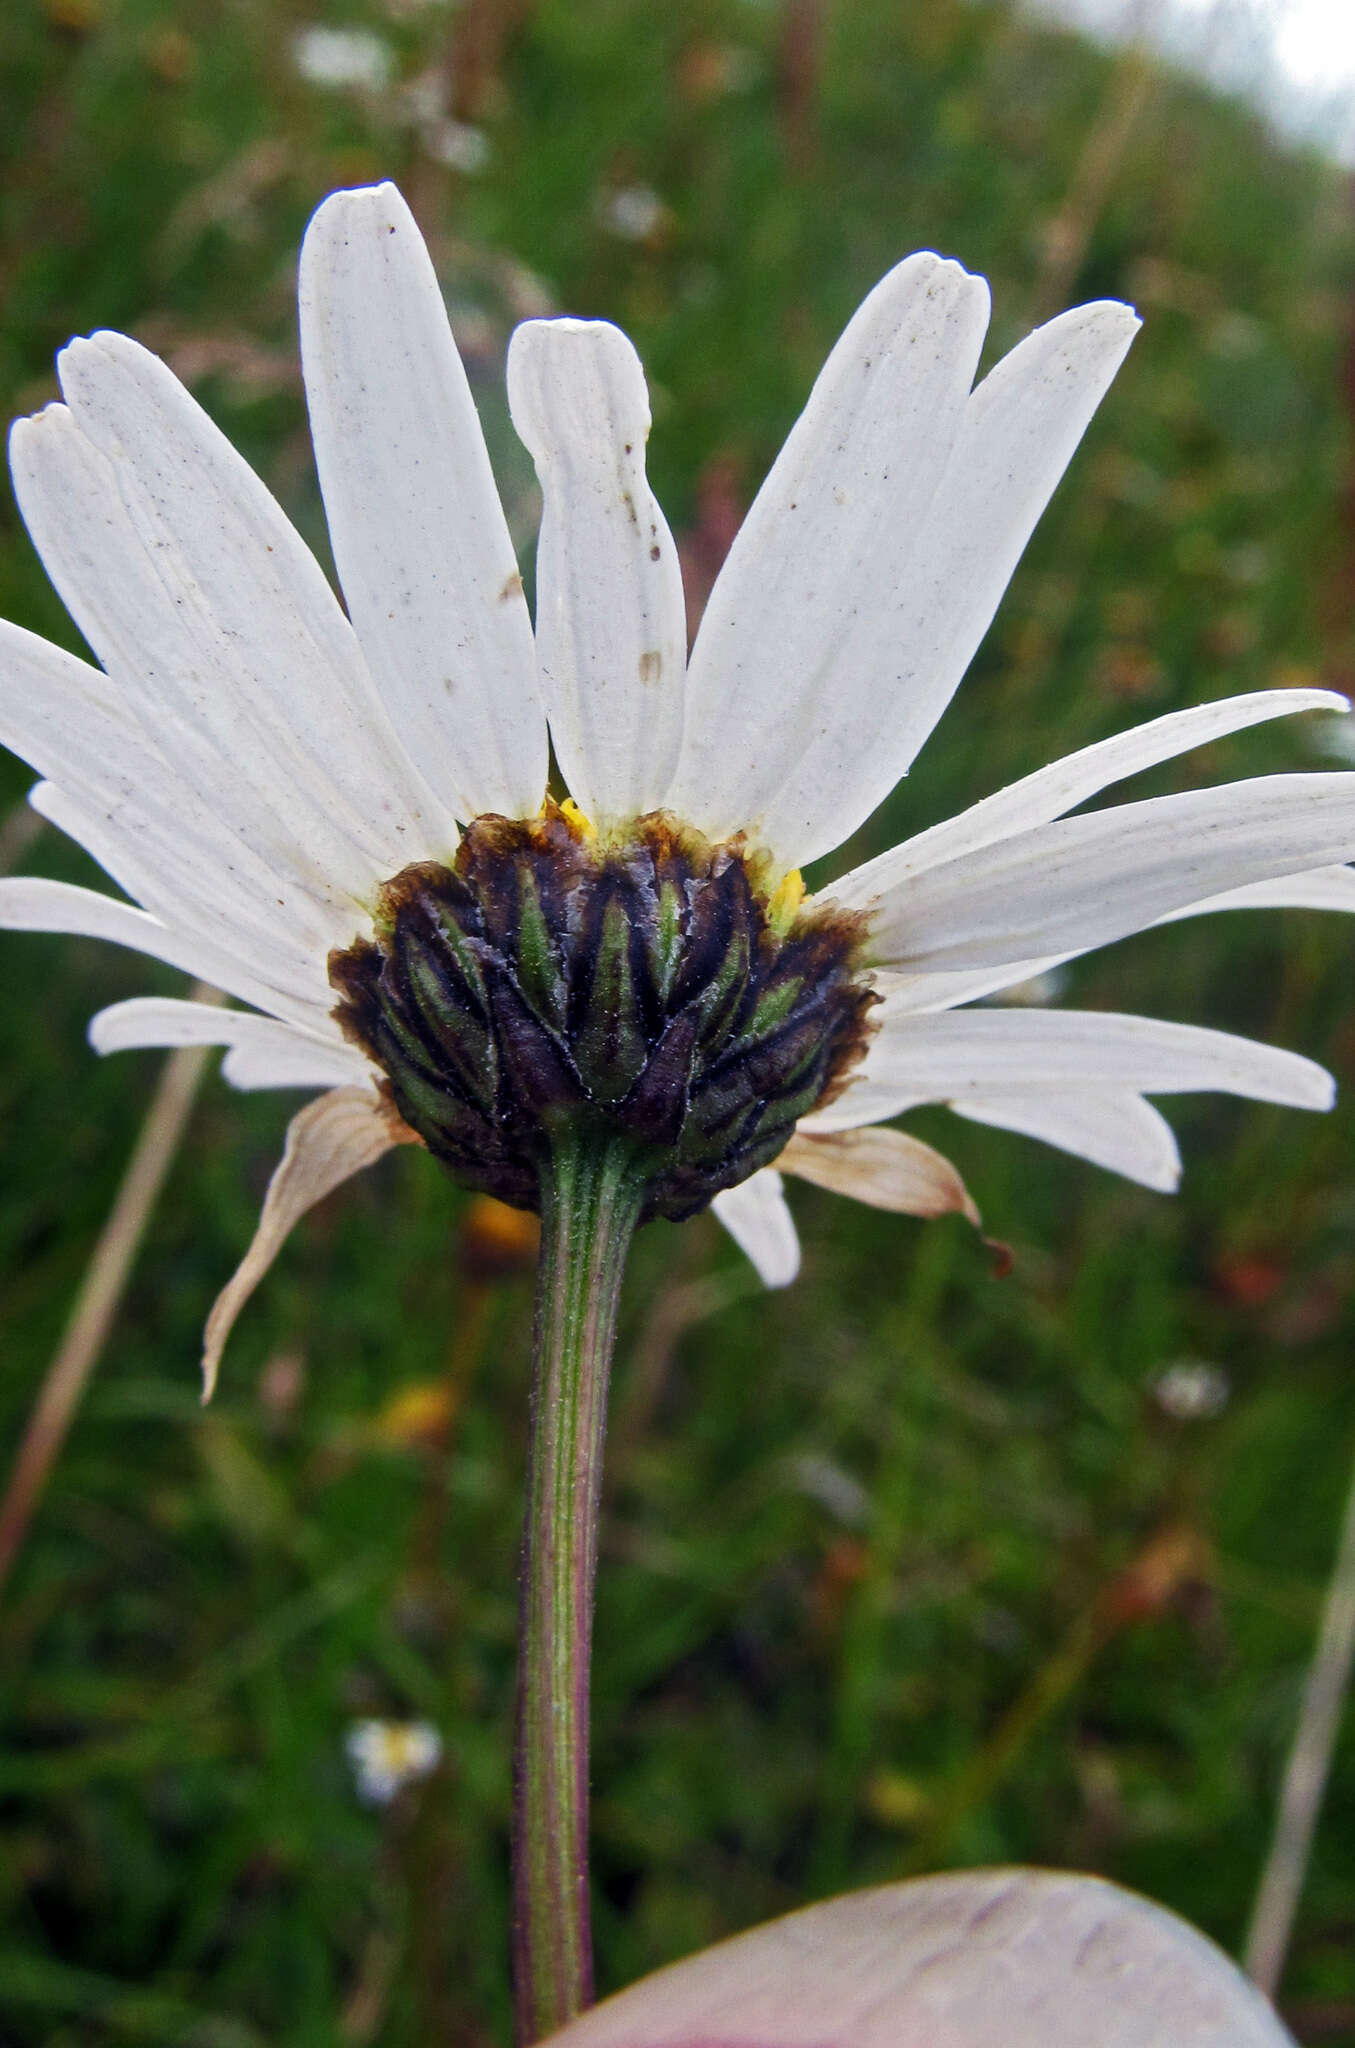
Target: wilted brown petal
(886, 1168)
(328, 1141)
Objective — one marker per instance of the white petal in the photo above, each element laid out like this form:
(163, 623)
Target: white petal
(973, 1959)
(277, 973)
(31, 903)
(799, 655)
(1081, 882)
(1330, 888)
(327, 1143)
(215, 621)
(911, 994)
(115, 793)
(887, 1169)
(296, 1062)
(757, 1218)
(1112, 1128)
(161, 1020)
(1038, 798)
(170, 667)
(611, 630)
(420, 541)
(959, 1054)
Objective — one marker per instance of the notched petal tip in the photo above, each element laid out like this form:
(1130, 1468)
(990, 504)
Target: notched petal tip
(937, 275)
(355, 206)
(29, 434)
(546, 361)
(88, 356)
(328, 1141)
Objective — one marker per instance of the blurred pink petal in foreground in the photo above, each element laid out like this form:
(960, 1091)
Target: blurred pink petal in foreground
(982, 1959)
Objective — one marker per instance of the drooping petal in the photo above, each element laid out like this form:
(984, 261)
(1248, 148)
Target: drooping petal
(294, 1062)
(267, 1044)
(977, 1959)
(757, 1218)
(420, 540)
(611, 630)
(1113, 1128)
(328, 1141)
(799, 648)
(956, 1055)
(1081, 882)
(1063, 785)
(887, 1169)
(31, 903)
(280, 971)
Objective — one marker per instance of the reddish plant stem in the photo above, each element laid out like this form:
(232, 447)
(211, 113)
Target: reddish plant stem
(591, 1197)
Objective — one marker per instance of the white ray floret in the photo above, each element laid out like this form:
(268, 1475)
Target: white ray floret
(611, 626)
(1113, 1128)
(955, 1055)
(758, 1218)
(1050, 792)
(259, 1044)
(929, 521)
(419, 536)
(250, 764)
(1081, 882)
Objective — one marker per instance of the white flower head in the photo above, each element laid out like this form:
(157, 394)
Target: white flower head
(633, 212)
(304, 801)
(1192, 1390)
(338, 57)
(388, 1755)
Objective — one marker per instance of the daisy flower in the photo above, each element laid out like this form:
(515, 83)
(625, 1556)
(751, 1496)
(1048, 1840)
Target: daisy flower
(388, 1755)
(339, 814)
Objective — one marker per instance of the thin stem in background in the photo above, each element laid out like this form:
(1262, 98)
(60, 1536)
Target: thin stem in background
(101, 1290)
(1305, 1778)
(590, 1204)
(1067, 237)
(21, 827)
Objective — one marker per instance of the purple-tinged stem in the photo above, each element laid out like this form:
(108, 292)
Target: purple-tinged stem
(590, 1204)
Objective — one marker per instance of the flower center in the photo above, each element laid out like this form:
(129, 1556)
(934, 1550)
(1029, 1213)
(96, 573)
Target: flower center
(647, 984)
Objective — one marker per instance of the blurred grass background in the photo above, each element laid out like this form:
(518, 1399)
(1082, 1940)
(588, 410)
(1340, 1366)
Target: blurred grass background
(909, 1566)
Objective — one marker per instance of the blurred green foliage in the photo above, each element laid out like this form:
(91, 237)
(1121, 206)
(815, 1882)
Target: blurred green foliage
(909, 1565)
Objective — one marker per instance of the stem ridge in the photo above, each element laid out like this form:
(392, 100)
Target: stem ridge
(592, 1191)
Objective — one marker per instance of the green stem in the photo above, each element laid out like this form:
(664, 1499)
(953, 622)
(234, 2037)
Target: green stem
(590, 1203)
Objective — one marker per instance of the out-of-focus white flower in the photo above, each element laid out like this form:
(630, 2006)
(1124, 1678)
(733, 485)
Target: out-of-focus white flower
(458, 144)
(1192, 1390)
(340, 57)
(833, 1487)
(634, 212)
(388, 1755)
